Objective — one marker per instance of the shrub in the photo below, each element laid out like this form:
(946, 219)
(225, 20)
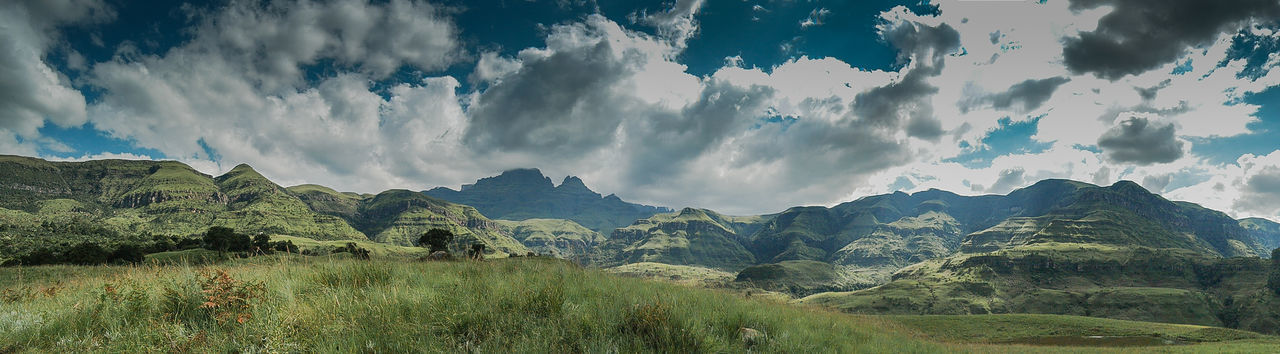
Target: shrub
(357, 251)
(262, 243)
(476, 251)
(225, 239)
(654, 324)
(227, 299)
(86, 253)
(128, 253)
(284, 246)
(436, 239)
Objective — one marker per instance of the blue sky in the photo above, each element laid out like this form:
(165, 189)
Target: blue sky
(678, 103)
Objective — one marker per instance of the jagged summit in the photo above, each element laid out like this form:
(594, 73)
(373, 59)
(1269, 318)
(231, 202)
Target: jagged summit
(526, 193)
(571, 183)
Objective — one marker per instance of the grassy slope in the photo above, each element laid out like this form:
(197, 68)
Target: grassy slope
(259, 205)
(523, 305)
(681, 274)
(399, 217)
(555, 237)
(1267, 231)
(1176, 286)
(688, 237)
(327, 201)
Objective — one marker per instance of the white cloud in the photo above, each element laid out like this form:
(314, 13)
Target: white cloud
(617, 107)
(31, 91)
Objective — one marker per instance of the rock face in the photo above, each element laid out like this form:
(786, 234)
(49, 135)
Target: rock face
(526, 194)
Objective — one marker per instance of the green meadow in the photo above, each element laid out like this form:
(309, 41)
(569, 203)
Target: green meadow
(289, 303)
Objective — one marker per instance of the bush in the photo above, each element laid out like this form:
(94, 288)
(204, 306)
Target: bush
(655, 325)
(436, 239)
(284, 246)
(225, 239)
(86, 253)
(128, 253)
(357, 251)
(262, 243)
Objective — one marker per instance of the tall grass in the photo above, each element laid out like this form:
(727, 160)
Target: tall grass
(521, 305)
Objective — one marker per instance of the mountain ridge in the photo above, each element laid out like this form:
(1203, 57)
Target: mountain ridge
(525, 193)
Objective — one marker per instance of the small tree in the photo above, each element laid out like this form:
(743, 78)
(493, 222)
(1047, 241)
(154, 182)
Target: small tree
(262, 242)
(241, 242)
(218, 238)
(477, 251)
(436, 240)
(284, 246)
(357, 251)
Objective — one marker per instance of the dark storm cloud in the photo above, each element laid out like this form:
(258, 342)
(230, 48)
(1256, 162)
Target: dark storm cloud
(925, 47)
(1027, 95)
(565, 104)
(666, 142)
(1141, 141)
(1140, 35)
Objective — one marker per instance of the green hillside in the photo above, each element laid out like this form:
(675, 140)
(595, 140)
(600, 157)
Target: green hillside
(325, 200)
(688, 237)
(400, 216)
(55, 205)
(554, 237)
(1266, 231)
(1122, 282)
(258, 205)
(872, 237)
(526, 194)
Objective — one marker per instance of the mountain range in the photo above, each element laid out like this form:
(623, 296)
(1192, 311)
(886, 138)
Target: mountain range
(526, 194)
(1057, 246)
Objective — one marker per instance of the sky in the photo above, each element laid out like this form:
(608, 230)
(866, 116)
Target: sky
(741, 106)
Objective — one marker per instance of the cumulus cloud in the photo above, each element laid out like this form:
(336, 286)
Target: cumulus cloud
(31, 91)
(565, 104)
(1138, 36)
(1142, 141)
(274, 40)
(617, 107)
(924, 47)
(1262, 192)
(679, 23)
(235, 91)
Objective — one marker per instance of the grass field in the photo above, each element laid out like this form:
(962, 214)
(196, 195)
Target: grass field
(320, 304)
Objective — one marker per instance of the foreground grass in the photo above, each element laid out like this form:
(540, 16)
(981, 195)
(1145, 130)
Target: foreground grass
(522, 305)
(323, 304)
